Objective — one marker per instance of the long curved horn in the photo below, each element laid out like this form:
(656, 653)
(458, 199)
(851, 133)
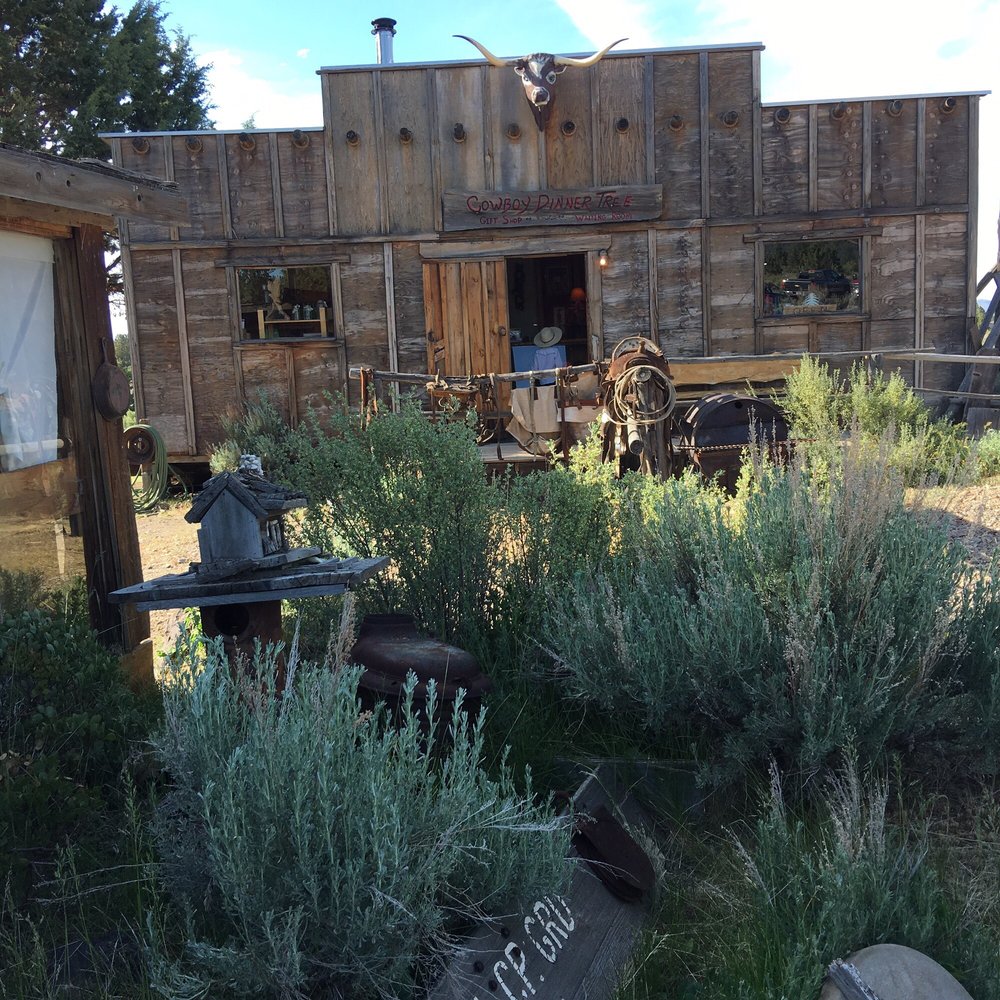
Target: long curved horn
(489, 55)
(583, 63)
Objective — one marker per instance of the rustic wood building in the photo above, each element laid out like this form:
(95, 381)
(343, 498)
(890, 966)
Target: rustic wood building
(65, 495)
(430, 225)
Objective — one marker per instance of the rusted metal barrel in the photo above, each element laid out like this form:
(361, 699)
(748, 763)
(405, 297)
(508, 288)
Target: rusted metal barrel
(717, 428)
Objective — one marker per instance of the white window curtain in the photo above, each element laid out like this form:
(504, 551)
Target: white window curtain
(29, 410)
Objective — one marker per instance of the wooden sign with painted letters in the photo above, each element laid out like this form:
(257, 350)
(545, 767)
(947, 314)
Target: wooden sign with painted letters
(571, 947)
(578, 207)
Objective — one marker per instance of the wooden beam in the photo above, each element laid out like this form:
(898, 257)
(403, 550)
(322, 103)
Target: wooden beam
(706, 291)
(813, 159)
(758, 298)
(928, 356)
(279, 211)
(921, 140)
(280, 259)
(866, 153)
(38, 177)
(703, 109)
(390, 307)
(973, 221)
(813, 234)
(170, 177)
(293, 395)
(224, 192)
(89, 242)
(331, 187)
(382, 171)
(919, 303)
(653, 269)
(47, 220)
(273, 244)
(649, 109)
(110, 541)
(185, 353)
(866, 291)
(513, 247)
(595, 306)
(121, 221)
(758, 143)
(132, 322)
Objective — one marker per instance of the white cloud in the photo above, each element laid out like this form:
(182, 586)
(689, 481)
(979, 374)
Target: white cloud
(603, 22)
(239, 92)
(855, 48)
(303, 53)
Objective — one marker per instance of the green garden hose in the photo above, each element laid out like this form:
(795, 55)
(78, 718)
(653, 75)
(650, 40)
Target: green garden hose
(147, 452)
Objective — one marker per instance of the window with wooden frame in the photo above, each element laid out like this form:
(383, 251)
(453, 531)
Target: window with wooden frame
(286, 302)
(811, 276)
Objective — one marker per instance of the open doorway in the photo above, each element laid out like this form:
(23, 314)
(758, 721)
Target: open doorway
(545, 293)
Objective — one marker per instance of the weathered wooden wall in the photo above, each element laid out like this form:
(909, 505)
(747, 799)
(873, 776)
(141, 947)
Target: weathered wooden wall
(366, 191)
(257, 199)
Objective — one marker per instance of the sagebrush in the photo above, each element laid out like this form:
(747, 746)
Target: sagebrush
(812, 616)
(321, 851)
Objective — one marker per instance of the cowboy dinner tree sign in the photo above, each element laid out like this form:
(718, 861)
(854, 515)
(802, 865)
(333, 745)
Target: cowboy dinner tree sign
(578, 207)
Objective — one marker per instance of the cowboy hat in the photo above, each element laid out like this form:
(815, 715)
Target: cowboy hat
(548, 336)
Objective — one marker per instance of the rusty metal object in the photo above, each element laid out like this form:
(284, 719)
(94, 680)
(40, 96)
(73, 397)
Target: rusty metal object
(717, 428)
(614, 857)
(390, 647)
(639, 398)
(140, 447)
(110, 387)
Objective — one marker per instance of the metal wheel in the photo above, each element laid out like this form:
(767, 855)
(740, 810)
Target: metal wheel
(140, 448)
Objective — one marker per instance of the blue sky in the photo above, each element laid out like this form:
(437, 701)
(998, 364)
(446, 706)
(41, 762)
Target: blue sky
(264, 57)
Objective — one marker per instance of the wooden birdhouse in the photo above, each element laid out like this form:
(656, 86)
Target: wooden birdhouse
(241, 517)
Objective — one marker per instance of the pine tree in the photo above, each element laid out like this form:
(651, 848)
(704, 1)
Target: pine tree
(70, 70)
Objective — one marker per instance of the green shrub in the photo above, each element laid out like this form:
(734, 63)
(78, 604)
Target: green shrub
(257, 430)
(794, 893)
(872, 406)
(811, 616)
(469, 557)
(318, 850)
(68, 724)
(987, 452)
(20, 591)
(878, 403)
(813, 401)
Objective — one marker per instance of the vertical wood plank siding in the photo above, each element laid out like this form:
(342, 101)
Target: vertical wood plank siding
(690, 121)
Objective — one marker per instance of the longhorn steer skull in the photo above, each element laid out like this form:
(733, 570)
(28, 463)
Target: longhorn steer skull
(538, 73)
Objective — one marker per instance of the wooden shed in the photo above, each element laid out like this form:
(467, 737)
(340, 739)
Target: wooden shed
(65, 496)
(430, 225)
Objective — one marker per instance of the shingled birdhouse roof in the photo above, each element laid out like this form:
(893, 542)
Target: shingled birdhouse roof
(261, 497)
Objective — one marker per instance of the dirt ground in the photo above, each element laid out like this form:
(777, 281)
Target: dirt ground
(970, 515)
(169, 545)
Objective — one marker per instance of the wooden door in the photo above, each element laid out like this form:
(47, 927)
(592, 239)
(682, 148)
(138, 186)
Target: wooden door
(465, 306)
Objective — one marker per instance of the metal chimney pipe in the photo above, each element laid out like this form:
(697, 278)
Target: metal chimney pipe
(383, 28)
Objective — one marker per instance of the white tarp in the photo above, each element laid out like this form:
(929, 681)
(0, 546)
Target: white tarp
(29, 411)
